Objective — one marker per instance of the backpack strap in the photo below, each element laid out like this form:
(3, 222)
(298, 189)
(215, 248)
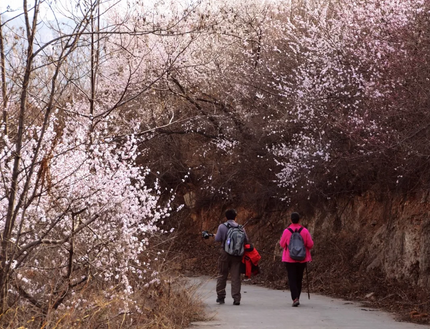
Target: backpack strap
(230, 226)
(291, 230)
(296, 230)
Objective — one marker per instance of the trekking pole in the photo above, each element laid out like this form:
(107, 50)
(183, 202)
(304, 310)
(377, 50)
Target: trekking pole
(307, 279)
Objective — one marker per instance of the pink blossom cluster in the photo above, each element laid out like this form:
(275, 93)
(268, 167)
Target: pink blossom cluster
(88, 215)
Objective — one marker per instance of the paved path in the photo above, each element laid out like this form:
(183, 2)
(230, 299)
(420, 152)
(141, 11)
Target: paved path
(263, 308)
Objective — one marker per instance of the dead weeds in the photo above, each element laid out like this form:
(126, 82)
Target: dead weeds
(173, 303)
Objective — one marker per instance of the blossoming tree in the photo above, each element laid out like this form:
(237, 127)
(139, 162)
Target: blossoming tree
(75, 209)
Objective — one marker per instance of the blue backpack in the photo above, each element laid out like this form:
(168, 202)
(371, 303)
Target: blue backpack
(296, 246)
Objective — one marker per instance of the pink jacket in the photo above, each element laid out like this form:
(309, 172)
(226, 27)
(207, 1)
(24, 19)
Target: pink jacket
(285, 239)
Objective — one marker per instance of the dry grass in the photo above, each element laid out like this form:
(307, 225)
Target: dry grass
(170, 304)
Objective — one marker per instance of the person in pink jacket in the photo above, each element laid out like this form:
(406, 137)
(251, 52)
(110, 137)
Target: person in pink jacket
(296, 268)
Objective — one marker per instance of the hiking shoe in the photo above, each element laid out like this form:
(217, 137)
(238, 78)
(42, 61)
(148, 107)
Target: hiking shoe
(296, 302)
(236, 303)
(220, 300)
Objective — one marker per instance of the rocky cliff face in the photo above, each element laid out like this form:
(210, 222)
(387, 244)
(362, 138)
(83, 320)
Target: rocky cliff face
(388, 235)
(371, 248)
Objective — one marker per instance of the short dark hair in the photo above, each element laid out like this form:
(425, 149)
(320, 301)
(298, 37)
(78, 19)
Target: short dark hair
(295, 217)
(231, 214)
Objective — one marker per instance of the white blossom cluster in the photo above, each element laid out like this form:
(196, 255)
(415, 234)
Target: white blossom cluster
(88, 213)
(225, 145)
(302, 155)
(328, 63)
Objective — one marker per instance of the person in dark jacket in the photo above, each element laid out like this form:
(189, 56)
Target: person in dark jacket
(228, 263)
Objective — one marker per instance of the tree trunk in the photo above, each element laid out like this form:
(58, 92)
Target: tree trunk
(11, 215)
(3, 78)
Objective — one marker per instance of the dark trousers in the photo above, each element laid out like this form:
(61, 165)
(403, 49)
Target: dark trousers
(295, 278)
(229, 264)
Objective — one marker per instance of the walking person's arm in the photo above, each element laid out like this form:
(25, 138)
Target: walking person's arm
(284, 239)
(309, 243)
